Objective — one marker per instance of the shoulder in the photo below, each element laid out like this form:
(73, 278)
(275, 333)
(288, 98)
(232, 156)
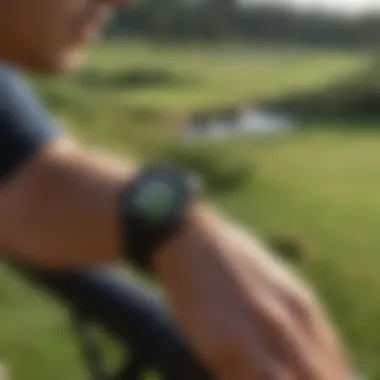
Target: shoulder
(15, 90)
(11, 79)
(7, 73)
(20, 106)
(25, 124)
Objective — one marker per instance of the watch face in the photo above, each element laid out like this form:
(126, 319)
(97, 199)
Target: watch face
(156, 199)
(161, 196)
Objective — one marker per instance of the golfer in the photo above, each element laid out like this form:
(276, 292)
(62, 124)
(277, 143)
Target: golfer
(64, 206)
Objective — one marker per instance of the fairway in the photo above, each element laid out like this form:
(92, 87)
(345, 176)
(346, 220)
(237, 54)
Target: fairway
(321, 188)
(180, 80)
(219, 78)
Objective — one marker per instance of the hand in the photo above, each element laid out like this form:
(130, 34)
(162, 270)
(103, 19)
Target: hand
(244, 314)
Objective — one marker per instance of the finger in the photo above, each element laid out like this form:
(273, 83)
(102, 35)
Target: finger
(315, 324)
(281, 372)
(270, 367)
(254, 363)
(286, 342)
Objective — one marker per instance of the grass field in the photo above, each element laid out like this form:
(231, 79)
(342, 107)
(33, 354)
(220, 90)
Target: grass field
(319, 188)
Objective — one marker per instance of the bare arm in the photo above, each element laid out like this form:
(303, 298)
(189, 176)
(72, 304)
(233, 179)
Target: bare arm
(61, 210)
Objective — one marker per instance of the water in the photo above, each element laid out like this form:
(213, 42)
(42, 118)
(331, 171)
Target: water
(241, 123)
(4, 372)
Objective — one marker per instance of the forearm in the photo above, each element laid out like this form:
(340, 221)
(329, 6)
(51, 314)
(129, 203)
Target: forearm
(62, 210)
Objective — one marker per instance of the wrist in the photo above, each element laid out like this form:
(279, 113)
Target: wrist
(156, 206)
(188, 240)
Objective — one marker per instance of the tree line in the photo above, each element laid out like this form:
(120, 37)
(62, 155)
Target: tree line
(218, 20)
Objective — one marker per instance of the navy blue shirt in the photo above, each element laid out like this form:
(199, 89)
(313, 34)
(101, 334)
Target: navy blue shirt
(24, 124)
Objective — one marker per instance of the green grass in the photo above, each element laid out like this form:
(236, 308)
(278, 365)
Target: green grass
(214, 78)
(323, 189)
(224, 79)
(319, 187)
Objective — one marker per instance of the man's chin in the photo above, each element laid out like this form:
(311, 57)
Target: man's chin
(57, 66)
(65, 65)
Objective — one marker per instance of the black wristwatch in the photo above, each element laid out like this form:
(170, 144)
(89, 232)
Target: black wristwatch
(154, 207)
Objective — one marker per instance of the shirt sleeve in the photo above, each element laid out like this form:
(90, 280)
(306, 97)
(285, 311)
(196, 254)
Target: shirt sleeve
(24, 124)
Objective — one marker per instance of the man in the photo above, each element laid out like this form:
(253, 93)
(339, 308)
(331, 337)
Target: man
(62, 207)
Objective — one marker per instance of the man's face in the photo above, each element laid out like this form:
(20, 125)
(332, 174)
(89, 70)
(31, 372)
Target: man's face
(47, 36)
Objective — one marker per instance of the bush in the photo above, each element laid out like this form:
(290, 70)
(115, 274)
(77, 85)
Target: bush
(220, 173)
(291, 249)
(355, 97)
(133, 78)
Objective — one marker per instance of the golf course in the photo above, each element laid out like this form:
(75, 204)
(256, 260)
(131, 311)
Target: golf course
(315, 189)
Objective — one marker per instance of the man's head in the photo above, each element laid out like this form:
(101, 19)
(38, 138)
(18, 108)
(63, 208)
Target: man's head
(47, 36)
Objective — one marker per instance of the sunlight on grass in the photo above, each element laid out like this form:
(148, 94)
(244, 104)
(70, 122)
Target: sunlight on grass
(321, 187)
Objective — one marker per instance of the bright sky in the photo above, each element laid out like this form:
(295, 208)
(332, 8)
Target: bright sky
(337, 5)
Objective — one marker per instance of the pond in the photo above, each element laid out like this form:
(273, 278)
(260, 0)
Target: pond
(239, 123)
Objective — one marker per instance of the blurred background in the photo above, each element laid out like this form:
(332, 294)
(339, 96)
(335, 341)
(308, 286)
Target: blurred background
(277, 105)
